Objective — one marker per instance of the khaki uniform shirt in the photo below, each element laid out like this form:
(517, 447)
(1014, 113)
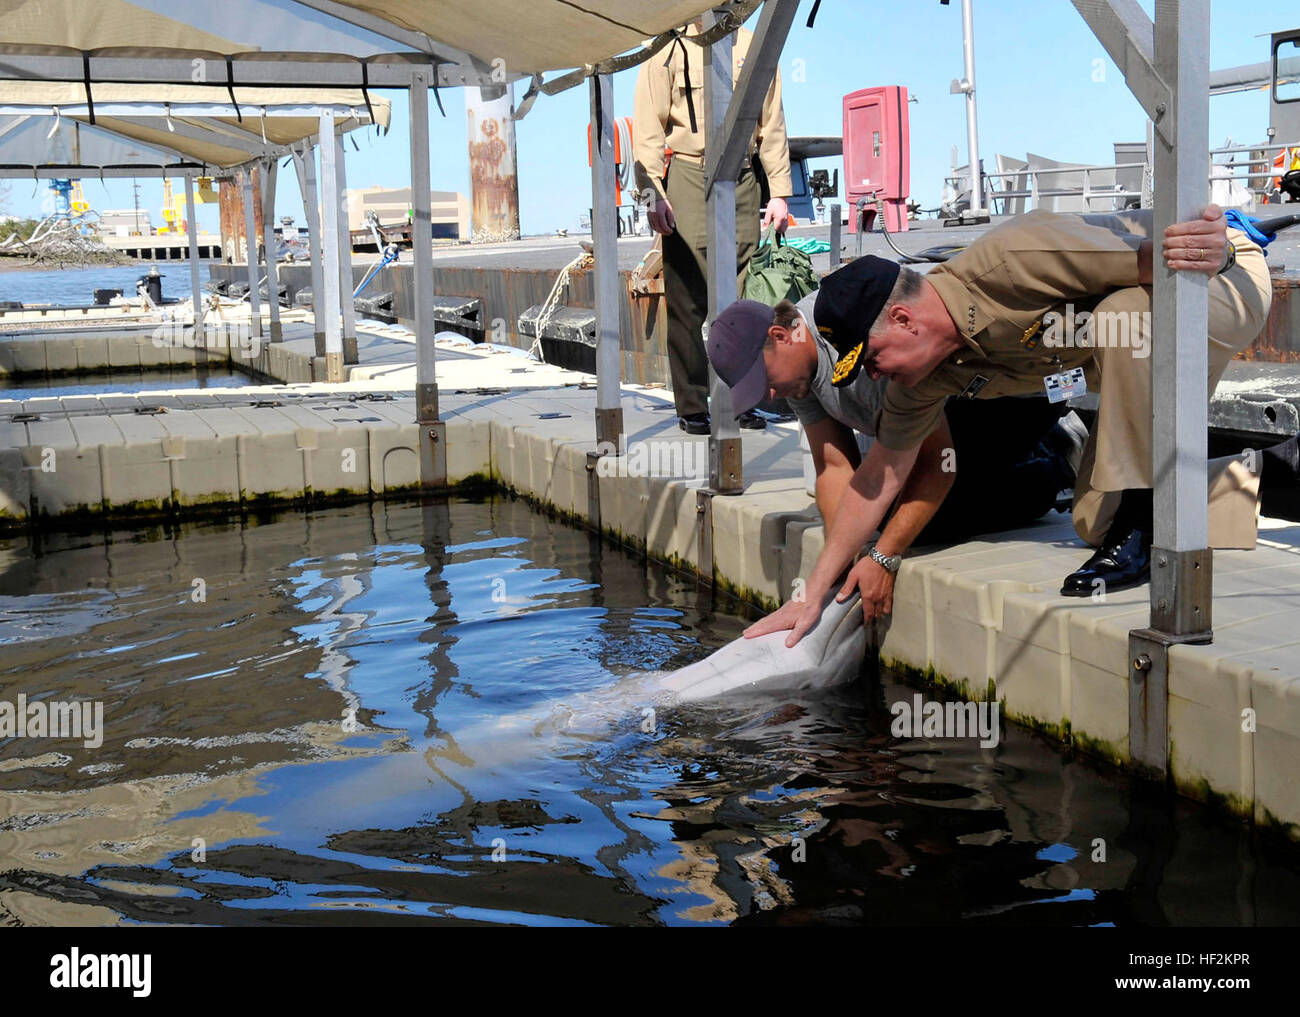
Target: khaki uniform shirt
(661, 118)
(998, 291)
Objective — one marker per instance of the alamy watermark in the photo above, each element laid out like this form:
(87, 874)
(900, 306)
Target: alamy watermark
(237, 336)
(918, 719)
(1098, 330)
(660, 457)
(42, 718)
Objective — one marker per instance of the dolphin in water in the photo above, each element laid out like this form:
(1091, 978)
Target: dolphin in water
(829, 654)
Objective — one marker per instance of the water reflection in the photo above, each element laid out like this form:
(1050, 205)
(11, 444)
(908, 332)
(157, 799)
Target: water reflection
(432, 714)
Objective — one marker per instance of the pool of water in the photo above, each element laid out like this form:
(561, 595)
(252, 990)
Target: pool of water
(188, 377)
(78, 285)
(431, 714)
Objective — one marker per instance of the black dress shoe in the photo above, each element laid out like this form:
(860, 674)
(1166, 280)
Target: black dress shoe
(751, 421)
(694, 423)
(1123, 561)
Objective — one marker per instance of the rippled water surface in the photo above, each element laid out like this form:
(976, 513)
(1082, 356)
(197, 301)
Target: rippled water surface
(411, 713)
(124, 382)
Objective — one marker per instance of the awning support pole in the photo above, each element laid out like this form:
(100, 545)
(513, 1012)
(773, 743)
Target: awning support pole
(726, 466)
(196, 288)
(1167, 69)
(604, 245)
(431, 428)
(250, 245)
(346, 281)
(304, 161)
(269, 173)
(329, 297)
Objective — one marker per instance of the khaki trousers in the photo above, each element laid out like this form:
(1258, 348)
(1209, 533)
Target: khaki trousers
(686, 286)
(1118, 453)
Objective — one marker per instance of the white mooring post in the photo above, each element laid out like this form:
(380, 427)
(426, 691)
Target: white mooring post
(270, 171)
(604, 246)
(250, 245)
(346, 281)
(304, 161)
(196, 288)
(432, 430)
(329, 233)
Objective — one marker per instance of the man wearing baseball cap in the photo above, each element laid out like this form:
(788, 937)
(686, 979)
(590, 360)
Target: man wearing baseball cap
(974, 327)
(1014, 445)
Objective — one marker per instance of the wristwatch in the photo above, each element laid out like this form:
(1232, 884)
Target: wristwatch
(1232, 258)
(887, 563)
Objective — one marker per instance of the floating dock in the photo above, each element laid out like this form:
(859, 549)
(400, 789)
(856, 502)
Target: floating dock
(982, 619)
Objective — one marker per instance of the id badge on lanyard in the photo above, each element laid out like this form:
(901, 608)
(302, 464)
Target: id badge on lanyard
(1065, 385)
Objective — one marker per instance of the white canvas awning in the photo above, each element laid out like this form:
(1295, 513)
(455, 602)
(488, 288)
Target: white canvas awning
(28, 147)
(198, 124)
(322, 42)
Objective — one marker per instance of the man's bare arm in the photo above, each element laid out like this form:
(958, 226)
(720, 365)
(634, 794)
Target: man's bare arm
(873, 488)
(931, 479)
(835, 458)
(923, 493)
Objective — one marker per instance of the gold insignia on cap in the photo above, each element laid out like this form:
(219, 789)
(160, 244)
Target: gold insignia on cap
(844, 366)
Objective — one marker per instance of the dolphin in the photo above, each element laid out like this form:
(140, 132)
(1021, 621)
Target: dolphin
(829, 654)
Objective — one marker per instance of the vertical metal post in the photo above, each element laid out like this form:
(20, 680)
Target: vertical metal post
(329, 233)
(269, 171)
(726, 467)
(835, 235)
(191, 233)
(604, 243)
(1181, 563)
(433, 432)
(972, 124)
(1180, 584)
(304, 161)
(250, 244)
(346, 283)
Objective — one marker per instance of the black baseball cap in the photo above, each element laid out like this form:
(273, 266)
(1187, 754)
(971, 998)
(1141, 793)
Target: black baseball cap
(848, 302)
(735, 348)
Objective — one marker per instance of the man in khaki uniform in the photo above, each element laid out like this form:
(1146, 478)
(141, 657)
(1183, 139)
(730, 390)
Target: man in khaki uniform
(994, 321)
(669, 114)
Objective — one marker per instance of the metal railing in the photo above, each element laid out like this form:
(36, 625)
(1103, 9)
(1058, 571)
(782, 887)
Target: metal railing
(1115, 197)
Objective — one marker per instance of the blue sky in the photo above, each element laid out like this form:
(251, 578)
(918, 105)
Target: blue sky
(1037, 70)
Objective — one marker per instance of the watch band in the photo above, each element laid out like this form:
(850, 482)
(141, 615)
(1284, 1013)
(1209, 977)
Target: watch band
(1232, 258)
(887, 563)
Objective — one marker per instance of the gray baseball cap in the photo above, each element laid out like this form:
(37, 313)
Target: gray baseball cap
(735, 348)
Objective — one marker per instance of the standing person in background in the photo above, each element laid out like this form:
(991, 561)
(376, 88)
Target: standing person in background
(669, 116)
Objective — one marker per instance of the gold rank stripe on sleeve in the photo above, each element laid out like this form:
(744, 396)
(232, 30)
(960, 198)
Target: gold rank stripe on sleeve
(844, 366)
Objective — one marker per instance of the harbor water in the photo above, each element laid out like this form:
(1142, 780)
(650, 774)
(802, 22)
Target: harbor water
(77, 286)
(304, 721)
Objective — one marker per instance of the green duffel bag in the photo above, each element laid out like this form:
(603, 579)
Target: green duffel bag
(779, 272)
